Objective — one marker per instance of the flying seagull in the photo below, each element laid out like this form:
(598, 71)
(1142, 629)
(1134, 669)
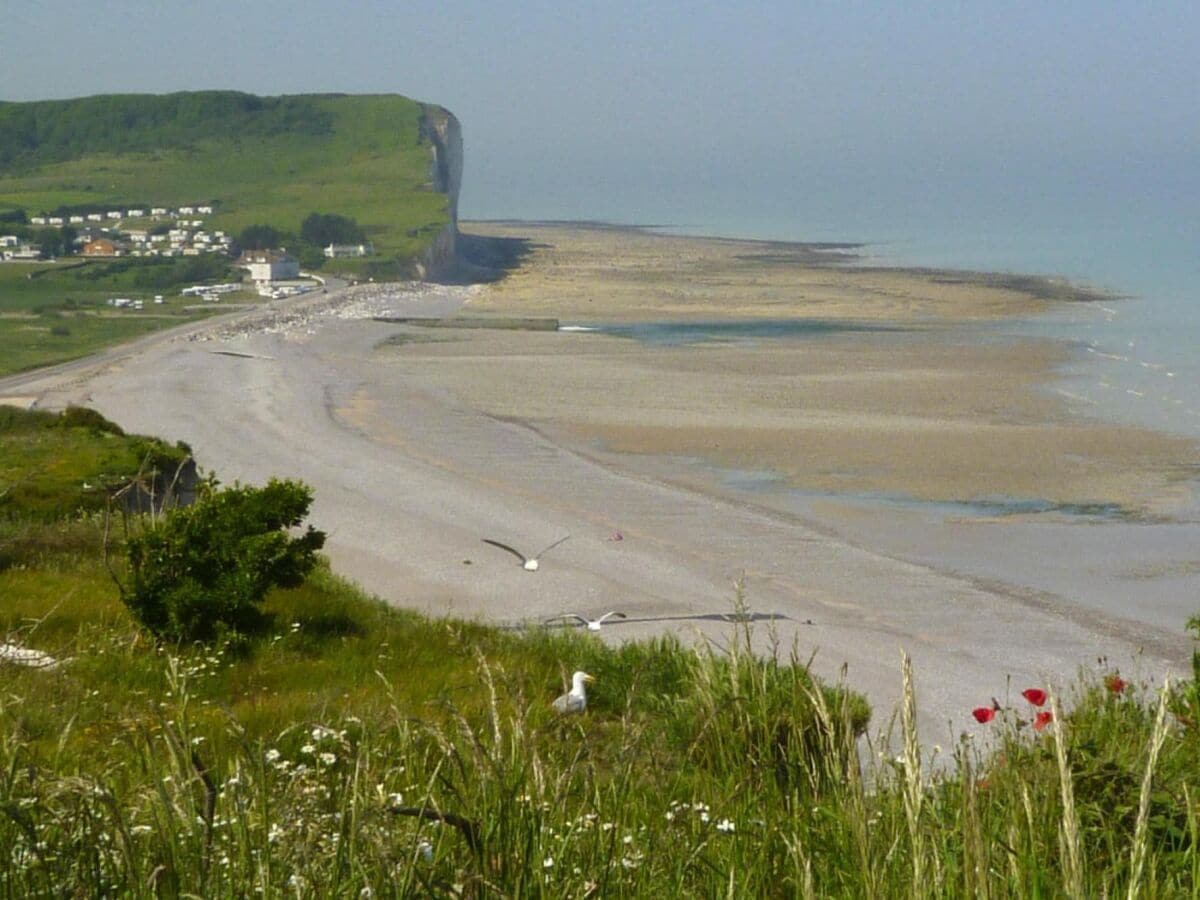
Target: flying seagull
(574, 700)
(528, 563)
(590, 624)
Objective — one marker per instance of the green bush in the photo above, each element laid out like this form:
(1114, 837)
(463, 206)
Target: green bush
(202, 571)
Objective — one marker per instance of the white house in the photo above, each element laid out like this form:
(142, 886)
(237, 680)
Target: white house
(95, 217)
(114, 214)
(136, 213)
(269, 265)
(9, 240)
(55, 220)
(38, 220)
(158, 210)
(204, 210)
(76, 220)
(187, 210)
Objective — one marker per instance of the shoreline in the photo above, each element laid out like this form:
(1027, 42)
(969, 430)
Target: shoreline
(420, 442)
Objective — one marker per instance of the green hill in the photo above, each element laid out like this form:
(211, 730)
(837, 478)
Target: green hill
(387, 162)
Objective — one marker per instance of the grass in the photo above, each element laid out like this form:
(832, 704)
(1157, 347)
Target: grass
(61, 313)
(357, 750)
(370, 164)
(363, 157)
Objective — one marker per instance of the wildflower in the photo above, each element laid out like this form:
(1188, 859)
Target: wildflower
(704, 817)
(983, 714)
(425, 851)
(1043, 719)
(1036, 696)
(308, 749)
(271, 755)
(396, 798)
(670, 815)
(274, 833)
(726, 826)
(328, 758)
(1115, 683)
(548, 862)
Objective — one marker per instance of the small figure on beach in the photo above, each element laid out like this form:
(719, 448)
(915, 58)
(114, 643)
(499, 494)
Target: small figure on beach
(528, 563)
(589, 624)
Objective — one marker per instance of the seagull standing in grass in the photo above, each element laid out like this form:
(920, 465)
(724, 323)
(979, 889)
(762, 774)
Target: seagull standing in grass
(528, 563)
(574, 700)
(590, 624)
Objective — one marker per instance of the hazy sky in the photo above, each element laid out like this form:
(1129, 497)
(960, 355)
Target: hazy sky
(794, 115)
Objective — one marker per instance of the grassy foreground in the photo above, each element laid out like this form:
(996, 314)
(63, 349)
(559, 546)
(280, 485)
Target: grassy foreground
(357, 750)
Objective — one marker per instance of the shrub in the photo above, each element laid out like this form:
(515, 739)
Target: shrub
(86, 417)
(202, 571)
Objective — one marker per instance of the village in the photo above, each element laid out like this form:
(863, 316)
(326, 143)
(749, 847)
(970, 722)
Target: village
(155, 232)
(108, 234)
(161, 232)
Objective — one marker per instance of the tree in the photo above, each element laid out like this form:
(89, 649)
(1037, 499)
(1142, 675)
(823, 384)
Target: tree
(259, 237)
(329, 228)
(202, 571)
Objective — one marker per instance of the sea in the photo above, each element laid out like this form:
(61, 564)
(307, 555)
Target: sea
(1137, 355)
(1130, 227)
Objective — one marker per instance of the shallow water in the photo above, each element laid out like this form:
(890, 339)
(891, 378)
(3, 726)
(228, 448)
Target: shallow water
(672, 333)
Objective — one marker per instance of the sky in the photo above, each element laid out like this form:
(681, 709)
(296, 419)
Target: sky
(782, 119)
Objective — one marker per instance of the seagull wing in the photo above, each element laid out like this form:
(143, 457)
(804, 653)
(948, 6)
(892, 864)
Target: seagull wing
(517, 553)
(576, 616)
(611, 615)
(546, 550)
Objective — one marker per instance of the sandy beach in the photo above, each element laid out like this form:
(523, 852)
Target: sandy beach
(831, 476)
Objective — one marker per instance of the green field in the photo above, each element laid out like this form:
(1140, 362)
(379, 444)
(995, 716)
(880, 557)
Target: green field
(62, 314)
(257, 160)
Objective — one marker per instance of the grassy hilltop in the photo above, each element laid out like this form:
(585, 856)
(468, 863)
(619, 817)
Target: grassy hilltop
(365, 161)
(257, 160)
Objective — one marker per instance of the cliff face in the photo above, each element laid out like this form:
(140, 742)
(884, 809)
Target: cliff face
(444, 134)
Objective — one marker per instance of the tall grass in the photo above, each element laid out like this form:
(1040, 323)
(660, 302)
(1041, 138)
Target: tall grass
(716, 786)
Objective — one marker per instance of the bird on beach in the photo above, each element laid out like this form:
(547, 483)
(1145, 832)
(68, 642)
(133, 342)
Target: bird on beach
(574, 700)
(589, 624)
(528, 563)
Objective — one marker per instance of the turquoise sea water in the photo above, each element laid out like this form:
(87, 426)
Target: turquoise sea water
(1137, 358)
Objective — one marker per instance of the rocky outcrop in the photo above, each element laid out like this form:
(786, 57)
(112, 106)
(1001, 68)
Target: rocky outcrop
(441, 130)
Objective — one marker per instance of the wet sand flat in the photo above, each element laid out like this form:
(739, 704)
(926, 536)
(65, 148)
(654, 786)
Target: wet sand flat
(934, 408)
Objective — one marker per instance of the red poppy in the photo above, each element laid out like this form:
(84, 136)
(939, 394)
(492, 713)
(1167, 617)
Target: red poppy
(983, 714)
(1043, 719)
(1115, 683)
(1036, 696)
